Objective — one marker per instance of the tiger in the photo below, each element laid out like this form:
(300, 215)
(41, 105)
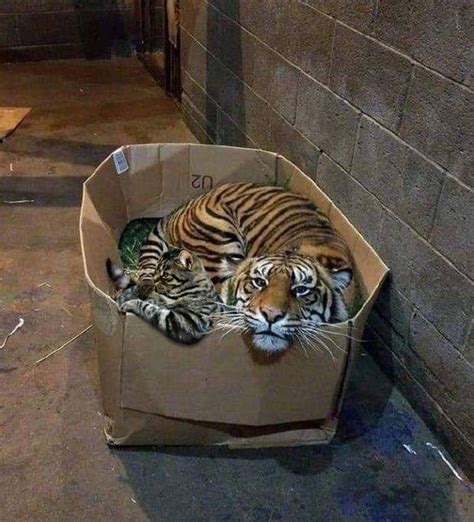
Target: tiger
(290, 269)
(284, 296)
(183, 301)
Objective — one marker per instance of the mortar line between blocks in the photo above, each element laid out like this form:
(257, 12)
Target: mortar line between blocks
(398, 218)
(436, 212)
(363, 115)
(190, 101)
(413, 149)
(417, 311)
(461, 434)
(288, 62)
(372, 38)
(393, 49)
(405, 95)
(356, 141)
(270, 107)
(408, 345)
(323, 86)
(331, 58)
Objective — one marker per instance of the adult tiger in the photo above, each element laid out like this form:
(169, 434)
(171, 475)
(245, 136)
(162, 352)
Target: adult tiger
(290, 266)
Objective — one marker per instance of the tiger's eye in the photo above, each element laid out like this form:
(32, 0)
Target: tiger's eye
(301, 290)
(259, 282)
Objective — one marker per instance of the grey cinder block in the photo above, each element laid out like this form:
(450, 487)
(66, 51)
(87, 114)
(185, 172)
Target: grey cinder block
(200, 118)
(437, 33)
(276, 81)
(286, 140)
(441, 293)
(200, 100)
(438, 121)
(237, 50)
(402, 179)
(453, 231)
(203, 22)
(370, 76)
(442, 358)
(395, 308)
(260, 17)
(305, 38)
(361, 207)
(229, 134)
(326, 119)
(356, 13)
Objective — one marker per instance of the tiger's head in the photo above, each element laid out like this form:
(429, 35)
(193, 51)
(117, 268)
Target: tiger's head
(282, 297)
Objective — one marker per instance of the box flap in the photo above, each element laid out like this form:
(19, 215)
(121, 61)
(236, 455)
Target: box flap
(218, 380)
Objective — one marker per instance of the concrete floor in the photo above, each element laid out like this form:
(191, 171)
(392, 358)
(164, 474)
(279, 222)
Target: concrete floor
(54, 463)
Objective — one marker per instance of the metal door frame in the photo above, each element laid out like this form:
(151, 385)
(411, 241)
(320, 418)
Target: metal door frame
(169, 74)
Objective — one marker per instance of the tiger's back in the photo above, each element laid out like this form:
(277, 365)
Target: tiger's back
(290, 269)
(241, 220)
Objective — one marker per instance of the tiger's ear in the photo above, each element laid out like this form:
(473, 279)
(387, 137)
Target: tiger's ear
(341, 277)
(185, 259)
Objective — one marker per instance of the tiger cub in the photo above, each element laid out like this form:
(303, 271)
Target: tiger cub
(182, 302)
(290, 267)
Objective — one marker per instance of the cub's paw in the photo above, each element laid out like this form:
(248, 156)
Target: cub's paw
(144, 288)
(129, 306)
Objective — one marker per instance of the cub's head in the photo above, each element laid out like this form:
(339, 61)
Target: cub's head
(283, 297)
(176, 268)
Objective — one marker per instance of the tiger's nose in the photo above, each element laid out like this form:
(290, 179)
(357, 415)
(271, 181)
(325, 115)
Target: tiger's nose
(272, 315)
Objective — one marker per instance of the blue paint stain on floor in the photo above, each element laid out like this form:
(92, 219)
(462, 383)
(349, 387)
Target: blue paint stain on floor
(366, 474)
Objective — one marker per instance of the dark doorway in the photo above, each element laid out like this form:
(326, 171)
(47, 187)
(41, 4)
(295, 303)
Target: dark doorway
(158, 41)
(171, 48)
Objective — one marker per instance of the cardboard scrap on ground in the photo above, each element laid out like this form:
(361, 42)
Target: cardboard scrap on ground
(10, 118)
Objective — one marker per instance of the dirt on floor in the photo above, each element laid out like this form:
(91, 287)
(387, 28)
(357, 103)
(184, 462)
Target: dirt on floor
(54, 462)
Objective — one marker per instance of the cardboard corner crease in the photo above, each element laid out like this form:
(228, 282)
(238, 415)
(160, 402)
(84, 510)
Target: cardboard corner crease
(155, 391)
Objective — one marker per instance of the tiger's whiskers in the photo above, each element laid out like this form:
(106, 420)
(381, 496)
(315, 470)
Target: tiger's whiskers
(315, 332)
(311, 339)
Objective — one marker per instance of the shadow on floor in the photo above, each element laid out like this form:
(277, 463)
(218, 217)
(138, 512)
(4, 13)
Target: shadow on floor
(44, 191)
(364, 474)
(58, 150)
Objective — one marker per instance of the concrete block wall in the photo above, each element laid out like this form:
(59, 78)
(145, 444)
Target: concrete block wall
(48, 29)
(371, 98)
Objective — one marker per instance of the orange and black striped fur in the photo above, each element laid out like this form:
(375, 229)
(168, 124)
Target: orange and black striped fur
(182, 303)
(289, 265)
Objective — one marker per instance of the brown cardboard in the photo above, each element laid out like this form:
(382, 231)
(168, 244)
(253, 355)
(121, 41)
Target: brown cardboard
(10, 118)
(156, 391)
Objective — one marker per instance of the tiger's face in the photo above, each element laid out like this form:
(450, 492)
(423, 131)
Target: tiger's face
(283, 297)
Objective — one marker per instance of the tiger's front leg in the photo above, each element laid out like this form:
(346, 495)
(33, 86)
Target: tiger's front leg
(150, 254)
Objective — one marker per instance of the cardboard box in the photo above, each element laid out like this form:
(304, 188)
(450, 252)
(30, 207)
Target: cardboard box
(155, 391)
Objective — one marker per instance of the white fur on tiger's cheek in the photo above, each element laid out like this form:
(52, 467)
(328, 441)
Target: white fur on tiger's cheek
(270, 343)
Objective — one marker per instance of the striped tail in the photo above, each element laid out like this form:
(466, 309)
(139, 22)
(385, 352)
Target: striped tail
(118, 276)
